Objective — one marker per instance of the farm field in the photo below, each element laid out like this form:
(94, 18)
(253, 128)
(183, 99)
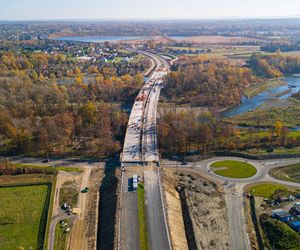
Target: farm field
(233, 52)
(233, 169)
(23, 216)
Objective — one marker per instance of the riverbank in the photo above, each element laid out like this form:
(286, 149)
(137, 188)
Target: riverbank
(266, 117)
(264, 86)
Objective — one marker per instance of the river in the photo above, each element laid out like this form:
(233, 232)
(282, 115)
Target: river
(280, 92)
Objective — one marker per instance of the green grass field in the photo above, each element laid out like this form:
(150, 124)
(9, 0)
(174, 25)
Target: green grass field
(23, 216)
(233, 169)
(266, 190)
(287, 173)
(142, 218)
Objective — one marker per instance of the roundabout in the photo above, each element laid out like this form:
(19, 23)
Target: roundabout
(233, 169)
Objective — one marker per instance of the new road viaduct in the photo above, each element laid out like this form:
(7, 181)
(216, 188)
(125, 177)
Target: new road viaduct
(141, 149)
(140, 144)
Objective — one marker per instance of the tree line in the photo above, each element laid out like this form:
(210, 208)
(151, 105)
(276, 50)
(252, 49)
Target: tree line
(284, 47)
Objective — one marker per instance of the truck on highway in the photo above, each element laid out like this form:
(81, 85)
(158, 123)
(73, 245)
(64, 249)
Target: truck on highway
(135, 181)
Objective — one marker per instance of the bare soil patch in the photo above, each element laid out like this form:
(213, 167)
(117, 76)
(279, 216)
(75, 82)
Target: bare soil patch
(203, 209)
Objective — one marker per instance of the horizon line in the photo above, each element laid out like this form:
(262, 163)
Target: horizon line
(153, 19)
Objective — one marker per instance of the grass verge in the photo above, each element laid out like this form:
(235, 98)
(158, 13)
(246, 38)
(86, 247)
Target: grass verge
(233, 169)
(50, 208)
(267, 190)
(142, 218)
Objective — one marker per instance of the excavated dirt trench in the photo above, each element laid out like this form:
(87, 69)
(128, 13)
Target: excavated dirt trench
(202, 209)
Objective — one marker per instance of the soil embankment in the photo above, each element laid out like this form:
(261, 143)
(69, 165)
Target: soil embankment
(202, 209)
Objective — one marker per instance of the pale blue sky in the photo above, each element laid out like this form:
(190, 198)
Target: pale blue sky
(103, 9)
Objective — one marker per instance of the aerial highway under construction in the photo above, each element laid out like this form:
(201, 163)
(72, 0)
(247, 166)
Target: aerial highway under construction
(141, 149)
(140, 144)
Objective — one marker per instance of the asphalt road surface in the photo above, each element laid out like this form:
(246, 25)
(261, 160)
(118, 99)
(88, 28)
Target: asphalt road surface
(237, 223)
(54, 221)
(130, 239)
(156, 224)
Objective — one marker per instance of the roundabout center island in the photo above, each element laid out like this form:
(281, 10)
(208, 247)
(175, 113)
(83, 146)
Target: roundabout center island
(233, 169)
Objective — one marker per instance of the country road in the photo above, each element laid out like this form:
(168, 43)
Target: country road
(53, 224)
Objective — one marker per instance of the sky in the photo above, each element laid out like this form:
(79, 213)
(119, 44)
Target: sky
(142, 9)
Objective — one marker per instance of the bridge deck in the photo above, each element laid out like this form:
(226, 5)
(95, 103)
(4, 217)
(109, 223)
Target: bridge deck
(140, 144)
